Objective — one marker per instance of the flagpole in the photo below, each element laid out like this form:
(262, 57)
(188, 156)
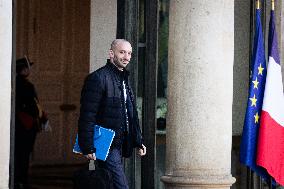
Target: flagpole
(270, 181)
(258, 4)
(251, 177)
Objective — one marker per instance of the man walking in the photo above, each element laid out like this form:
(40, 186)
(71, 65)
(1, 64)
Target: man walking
(108, 100)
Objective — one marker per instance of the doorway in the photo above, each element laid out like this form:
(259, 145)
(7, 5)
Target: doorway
(55, 36)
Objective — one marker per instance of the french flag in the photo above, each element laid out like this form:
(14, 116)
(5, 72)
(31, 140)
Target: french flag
(270, 149)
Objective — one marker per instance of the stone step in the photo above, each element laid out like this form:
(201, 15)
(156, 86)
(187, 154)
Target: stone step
(52, 177)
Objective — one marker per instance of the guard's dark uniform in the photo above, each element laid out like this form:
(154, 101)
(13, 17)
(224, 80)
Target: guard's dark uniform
(25, 133)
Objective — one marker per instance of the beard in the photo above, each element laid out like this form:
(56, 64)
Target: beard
(120, 63)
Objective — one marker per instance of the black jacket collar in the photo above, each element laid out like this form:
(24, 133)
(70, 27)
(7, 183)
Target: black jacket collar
(123, 74)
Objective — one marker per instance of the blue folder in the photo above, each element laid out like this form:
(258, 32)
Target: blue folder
(102, 141)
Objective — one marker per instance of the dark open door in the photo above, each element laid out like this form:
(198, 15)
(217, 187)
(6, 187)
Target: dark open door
(138, 23)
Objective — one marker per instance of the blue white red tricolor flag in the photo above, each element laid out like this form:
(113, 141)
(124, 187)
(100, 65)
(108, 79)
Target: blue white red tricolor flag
(270, 152)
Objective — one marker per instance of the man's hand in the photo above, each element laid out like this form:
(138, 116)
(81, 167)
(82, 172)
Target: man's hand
(141, 151)
(91, 156)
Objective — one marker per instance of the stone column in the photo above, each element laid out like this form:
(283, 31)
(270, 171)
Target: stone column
(5, 97)
(102, 31)
(200, 91)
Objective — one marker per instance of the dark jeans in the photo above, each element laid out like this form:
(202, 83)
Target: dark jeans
(114, 164)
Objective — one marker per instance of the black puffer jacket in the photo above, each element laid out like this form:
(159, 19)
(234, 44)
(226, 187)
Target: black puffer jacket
(102, 104)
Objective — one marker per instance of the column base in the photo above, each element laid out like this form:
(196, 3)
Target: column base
(198, 182)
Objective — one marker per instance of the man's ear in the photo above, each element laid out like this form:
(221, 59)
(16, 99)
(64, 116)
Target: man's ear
(111, 53)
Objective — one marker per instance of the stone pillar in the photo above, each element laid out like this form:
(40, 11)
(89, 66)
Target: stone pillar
(5, 97)
(200, 91)
(102, 31)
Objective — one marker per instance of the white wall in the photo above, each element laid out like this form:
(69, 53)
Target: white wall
(103, 31)
(5, 90)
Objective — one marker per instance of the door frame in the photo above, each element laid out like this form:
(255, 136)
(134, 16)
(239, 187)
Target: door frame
(127, 27)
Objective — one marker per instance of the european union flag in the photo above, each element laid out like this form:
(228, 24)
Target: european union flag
(254, 104)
